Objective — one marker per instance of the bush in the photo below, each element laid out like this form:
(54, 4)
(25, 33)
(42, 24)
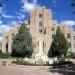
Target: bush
(22, 43)
(5, 55)
(22, 62)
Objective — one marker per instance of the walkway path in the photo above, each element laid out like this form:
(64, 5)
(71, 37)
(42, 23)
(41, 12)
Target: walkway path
(30, 70)
(24, 70)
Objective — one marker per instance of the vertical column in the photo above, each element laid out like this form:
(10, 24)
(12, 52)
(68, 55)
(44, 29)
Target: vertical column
(72, 42)
(41, 46)
(9, 43)
(4, 44)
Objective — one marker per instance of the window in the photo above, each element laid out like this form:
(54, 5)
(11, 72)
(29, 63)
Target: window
(6, 37)
(7, 47)
(45, 31)
(53, 35)
(40, 15)
(43, 45)
(68, 35)
(53, 29)
(74, 45)
(74, 37)
(38, 43)
(69, 45)
(13, 34)
(40, 30)
(40, 23)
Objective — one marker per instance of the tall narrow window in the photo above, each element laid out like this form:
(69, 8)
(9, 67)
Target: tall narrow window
(74, 37)
(40, 30)
(74, 45)
(53, 35)
(43, 45)
(7, 47)
(40, 23)
(68, 35)
(40, 15)
(69, 44)
(45, 31)
(53, 29)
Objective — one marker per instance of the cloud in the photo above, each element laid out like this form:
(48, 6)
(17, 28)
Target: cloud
(0, 10)
(20, 16)
(1, 22)
(7, 16)
(35, 1)
(69, 22)
(3, 28)
(14, 22)
(27, 6)
(54, 2)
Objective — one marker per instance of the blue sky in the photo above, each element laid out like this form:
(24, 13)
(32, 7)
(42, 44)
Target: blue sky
(17, 11)
(61, 9)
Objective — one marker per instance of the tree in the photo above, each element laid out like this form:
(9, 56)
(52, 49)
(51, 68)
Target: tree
(22, 43)
(59, 44)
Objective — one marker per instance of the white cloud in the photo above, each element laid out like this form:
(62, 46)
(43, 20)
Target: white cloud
(14, 22)
(3, 28)
(35, 1)
(54, 2)
(1, 22)
(28, 6)
(0, 10)
(20, 21)
(21, 16)
(68, 22)
(7, 16)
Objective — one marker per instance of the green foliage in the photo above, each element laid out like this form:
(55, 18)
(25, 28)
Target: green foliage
(22, 43)
(22, 29)
(5, 55)
(59, 44)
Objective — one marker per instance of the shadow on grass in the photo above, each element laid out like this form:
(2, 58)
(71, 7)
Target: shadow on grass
(68, 70)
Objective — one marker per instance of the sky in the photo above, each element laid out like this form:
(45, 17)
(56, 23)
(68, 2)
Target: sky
(17, 11)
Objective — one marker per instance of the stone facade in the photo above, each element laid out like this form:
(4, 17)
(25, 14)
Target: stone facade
(42, 27)
(8, 39)
(0, 46)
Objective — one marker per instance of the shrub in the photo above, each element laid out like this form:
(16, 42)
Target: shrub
(5, 55)
(22, 62)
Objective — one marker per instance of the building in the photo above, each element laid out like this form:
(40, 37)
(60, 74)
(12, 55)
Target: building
(42, 28)
(0, 46)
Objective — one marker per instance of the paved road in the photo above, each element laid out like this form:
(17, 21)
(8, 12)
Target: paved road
(17, 70)
(27, 70)
(24, 70)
